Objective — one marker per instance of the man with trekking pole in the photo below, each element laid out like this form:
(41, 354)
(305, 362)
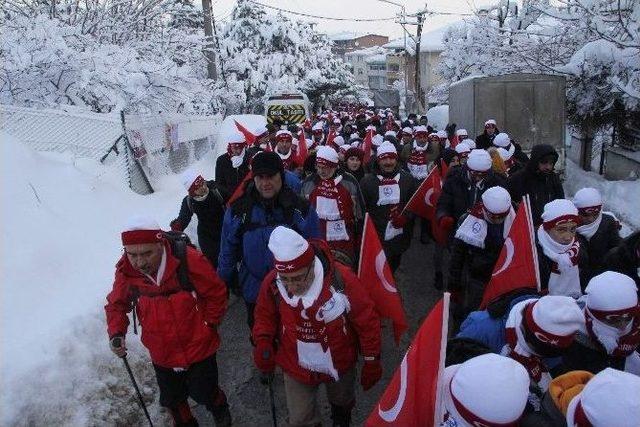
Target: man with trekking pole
(179, 302)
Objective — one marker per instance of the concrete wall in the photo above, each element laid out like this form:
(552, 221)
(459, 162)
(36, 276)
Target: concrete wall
(621, 164)
(530, 107)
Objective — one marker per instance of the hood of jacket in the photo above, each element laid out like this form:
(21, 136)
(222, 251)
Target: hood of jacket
(537, 153)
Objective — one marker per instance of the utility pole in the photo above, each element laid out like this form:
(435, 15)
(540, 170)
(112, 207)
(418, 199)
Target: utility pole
(208, 32)
(419, 95)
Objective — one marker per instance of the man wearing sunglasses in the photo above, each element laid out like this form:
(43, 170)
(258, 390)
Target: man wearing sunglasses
(485, 139)
(611, 333)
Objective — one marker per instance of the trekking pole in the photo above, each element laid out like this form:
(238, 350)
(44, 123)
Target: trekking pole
(273, 404)
(265, 355)
(135, 385)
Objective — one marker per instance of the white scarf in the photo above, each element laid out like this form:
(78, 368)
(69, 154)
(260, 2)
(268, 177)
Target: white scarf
(607, 335)
(566, 281)
(236, 161)
(473, 229)
(588, 230)
(326, 207)
(285, 156)
(203, 197)
(389, 192)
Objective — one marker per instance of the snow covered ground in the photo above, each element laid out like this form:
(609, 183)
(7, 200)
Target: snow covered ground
(620, 197)
(61, 221)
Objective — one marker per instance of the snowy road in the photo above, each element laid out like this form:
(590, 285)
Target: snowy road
(249, 399)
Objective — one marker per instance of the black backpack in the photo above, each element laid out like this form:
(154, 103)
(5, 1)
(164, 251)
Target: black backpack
(179, 242)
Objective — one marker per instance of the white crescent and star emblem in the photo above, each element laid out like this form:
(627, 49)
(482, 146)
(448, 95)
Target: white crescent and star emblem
(427, 197)
(381, 259)
(392, 413)
(508, 244)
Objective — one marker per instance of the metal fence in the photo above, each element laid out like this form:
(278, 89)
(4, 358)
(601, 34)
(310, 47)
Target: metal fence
(141, 147)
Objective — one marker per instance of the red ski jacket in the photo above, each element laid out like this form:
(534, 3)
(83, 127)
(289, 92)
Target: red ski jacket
(357, 330)
(172, 319)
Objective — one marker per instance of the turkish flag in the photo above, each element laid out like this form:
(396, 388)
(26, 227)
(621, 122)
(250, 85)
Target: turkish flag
(414, 395)
(302, 152)
(249, 136)
(239, 191)
(367, 146)
(330, 138)
(424, 200)
(517, 265)
(375, 273)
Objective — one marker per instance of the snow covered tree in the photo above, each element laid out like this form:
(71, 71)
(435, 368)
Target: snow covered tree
(271, 53)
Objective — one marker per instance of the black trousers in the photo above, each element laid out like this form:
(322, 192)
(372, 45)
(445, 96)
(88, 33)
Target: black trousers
(199, 381)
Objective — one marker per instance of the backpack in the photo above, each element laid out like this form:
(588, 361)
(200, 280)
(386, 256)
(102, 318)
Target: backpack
(179, 242)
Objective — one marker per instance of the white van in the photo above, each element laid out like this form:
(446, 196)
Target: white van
(290, 108)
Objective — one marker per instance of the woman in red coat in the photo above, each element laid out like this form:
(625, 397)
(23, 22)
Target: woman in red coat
(313, 316)
(178, 325)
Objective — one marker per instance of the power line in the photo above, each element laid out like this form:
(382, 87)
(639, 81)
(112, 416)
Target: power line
(328, 18)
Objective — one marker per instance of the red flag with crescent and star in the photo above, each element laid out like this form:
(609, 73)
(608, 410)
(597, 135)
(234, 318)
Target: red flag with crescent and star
(517, 265)
(249, 136)
(424, 200)
(367, 147)
(303, 151)
(375, 274)
(414, 395)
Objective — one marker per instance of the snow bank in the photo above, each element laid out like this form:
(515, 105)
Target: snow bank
(61, 220)
(438, 116)
(620, 197)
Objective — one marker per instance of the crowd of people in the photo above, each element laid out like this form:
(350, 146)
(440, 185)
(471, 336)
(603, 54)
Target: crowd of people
(281, 225)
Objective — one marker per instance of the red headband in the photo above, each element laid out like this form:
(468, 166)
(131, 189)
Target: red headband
(472, 418)
(590, 210)
(136, 237)
(548, 225)
(326, 163)
(295, 264)
(615, 315)
(196, 184)
(559, 341)
(420, 133)
(390, 155)
(284, 136)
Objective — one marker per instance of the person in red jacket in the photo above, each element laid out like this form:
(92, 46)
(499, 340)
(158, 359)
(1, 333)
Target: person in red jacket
(179, 327)
(312, 318)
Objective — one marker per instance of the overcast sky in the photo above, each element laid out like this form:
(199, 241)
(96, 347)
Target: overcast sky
(361, 9)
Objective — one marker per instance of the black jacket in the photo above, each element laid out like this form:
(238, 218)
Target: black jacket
(380, 214)
(228, 177)
(541, 188)
(485, 141)
(459, 193)
(625, 257)
(586, 355)
(606, 238)
(210, 213)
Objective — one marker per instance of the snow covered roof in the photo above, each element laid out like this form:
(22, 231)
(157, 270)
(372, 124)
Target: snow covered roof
(379, 58)
(344, 36)
(367, 52)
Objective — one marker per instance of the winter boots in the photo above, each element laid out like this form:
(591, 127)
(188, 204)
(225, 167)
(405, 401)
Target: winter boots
(220, 410)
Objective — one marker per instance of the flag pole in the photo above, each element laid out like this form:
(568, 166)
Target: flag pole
(364, 233)
(438, 412)
(534, 247)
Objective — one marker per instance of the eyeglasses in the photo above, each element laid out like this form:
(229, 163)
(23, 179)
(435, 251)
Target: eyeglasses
(300, 278)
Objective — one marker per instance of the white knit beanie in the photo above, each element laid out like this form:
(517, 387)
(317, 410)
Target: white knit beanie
(496, 200)
(502, 140)
(490, 388)
(479, 160)
(611, 398)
